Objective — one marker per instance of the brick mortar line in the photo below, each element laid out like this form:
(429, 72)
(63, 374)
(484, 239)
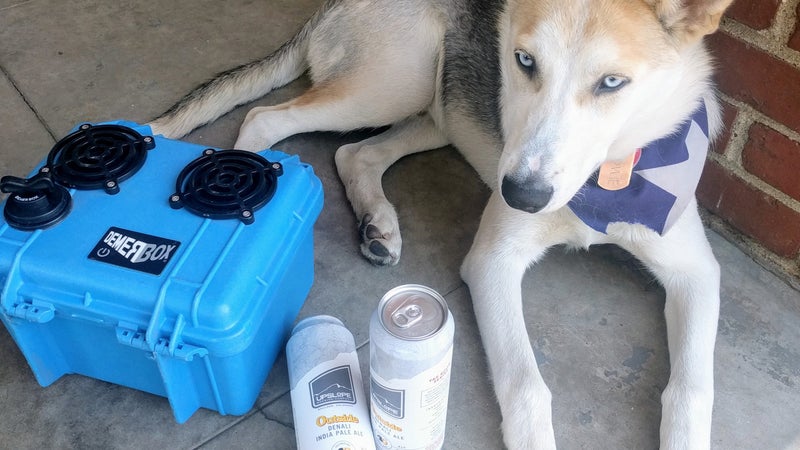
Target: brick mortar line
(755, 181)
(785, 20)
(746, 116)
(764, 40)
(738, 130)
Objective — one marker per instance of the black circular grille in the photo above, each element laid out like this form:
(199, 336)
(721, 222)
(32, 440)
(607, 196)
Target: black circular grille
(98, 157)
(226, 184)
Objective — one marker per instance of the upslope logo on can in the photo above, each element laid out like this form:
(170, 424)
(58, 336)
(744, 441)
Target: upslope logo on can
(328, 403)
(411, 350)
(331, 387)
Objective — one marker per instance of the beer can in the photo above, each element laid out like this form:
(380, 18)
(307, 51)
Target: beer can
(327, 391)
(411, 350)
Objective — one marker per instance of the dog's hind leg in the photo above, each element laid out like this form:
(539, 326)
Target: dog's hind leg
(683, 262)
(361, 166)
(360, 80)
(338, 105)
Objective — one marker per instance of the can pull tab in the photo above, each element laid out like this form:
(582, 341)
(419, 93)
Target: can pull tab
(407, 315)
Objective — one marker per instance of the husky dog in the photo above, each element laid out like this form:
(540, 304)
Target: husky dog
(540, 96)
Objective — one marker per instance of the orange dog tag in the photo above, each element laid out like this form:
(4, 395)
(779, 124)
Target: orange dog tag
(616, 175)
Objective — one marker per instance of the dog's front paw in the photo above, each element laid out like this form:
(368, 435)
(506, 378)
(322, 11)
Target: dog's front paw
(380, 241)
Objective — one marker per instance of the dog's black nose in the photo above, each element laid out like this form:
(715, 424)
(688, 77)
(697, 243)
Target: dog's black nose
(529, 194)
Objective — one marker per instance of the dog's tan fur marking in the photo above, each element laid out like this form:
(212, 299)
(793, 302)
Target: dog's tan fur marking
(320, 94)
(634, 28)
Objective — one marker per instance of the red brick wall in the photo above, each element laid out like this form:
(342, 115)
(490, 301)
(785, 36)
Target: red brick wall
(752, 179)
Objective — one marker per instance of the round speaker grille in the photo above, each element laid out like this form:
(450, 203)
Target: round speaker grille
(98, 157)
(226, 184)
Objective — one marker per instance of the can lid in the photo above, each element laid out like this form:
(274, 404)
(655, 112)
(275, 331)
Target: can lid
(412, 312)
(315, 320)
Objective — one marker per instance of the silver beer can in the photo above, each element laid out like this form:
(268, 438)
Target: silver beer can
(410, 355)
(327, 391)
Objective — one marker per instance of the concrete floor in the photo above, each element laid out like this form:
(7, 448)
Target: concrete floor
(595, 324)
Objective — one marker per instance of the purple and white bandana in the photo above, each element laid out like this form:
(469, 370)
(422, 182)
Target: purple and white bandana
(662, 184)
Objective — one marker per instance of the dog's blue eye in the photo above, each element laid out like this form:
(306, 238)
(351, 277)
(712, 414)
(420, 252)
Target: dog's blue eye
(610, 83)
(525, 61)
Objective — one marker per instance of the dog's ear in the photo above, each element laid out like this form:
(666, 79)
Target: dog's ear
(689, 20)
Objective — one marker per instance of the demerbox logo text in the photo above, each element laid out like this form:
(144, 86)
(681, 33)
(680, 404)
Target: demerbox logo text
(134, 250)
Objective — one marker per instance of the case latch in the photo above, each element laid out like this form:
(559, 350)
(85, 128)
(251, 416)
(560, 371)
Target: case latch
(136, 339)
(33, 311)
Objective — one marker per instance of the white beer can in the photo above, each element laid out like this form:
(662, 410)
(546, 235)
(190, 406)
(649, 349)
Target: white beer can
(410, 354)
(328, 404)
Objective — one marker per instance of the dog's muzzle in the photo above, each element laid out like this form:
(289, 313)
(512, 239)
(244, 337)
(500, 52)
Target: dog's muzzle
(529, 194)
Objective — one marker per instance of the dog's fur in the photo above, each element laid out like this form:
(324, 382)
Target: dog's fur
(529, 91)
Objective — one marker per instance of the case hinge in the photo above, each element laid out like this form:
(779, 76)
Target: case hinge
(32, 311)
(136, 339)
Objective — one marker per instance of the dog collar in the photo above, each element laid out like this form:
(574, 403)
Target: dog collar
(662, 184)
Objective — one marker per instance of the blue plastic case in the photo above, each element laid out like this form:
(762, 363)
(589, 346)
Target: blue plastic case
(205, 331)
